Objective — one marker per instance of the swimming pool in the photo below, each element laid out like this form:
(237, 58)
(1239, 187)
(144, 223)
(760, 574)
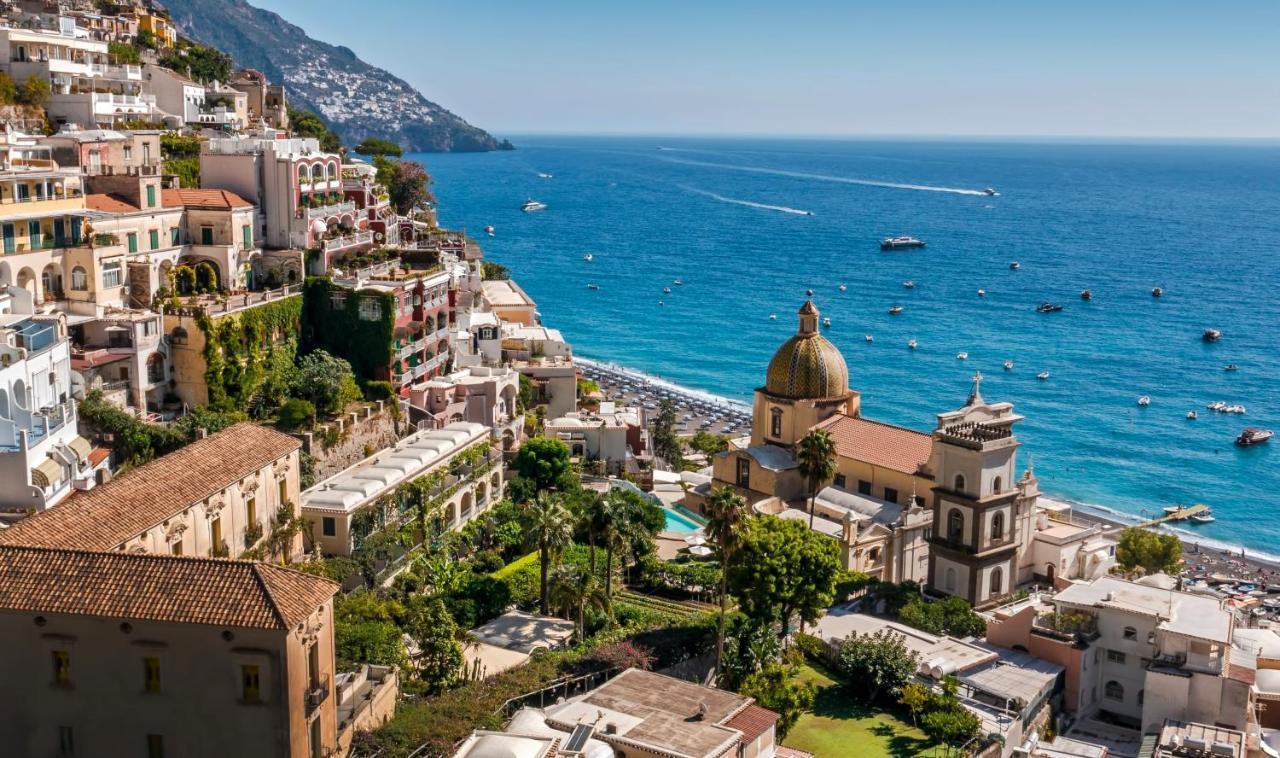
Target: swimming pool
(680, 522)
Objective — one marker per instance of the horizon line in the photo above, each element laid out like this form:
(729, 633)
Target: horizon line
(920, 137)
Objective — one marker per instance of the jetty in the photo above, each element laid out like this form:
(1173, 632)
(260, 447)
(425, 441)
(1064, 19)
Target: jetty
(1182, 514)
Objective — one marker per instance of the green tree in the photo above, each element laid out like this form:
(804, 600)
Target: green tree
(200, 62)
(876, 663)
(573, 591)
(544, 461)
(124, 53)
(307, 124)
(816, 462)
(726, 512)
(34, 92)
(438, 660)
(378, 146)
(407, 186)
(953, 727)
(915, 698)
(665, 442)
(596, 518)
(549, 525)
(783, 569)
(633, 522)
(368, 641)
(776, 688)
(490, 271)
(709, 444)
(750, 645)
(296, 413)
(1152, 552)
(327, 381)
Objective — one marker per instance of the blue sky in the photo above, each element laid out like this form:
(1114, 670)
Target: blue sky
(894, 67)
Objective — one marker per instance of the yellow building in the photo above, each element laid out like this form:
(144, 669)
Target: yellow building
(161, 28)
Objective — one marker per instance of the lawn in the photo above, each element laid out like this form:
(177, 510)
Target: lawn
(838, 726)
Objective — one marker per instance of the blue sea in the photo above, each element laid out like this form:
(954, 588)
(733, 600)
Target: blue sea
(728, 217)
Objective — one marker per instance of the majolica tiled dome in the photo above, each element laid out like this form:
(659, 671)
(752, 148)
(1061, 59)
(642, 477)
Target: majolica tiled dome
(807, 366)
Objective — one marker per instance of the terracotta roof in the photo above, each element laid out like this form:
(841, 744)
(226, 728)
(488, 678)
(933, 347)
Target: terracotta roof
(211, 591)
(109, 204)
(879, 444)
(208, 199)
(1241, 673)
(753, 721)
(107, 516)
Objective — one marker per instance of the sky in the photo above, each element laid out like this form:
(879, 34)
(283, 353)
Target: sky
(1090, 68)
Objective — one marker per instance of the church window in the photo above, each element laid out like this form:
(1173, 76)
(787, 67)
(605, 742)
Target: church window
(744, 472)
(1113, 691)
(864, 487)
(874, 555)
(997, 580)
(840, 481)
(996, 486)
(951, 580)
(775, 422)
(890, 494)
(959, 483)
(997, 527)
(955, 524)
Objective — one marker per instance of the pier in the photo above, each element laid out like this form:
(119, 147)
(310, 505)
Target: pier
(1182, 514)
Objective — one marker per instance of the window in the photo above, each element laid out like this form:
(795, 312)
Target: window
(206, 235)
(775, 422)
(178, 336)
(112, 276)
(328, 526)
(173, 235)
(250, 684)
(997, 485)
(997, 581)
(1130, 633)
(955, 524)
(133, 242)
(951, 579)
(891, 494)
(840, 480)
(928, 534)
(1115, 656)
(873, 555)
(79, 279)
(997, 527)
(1113, 691)
(149, 328)
(864, 487)
(1142, 695)
(304, 173)
(66, 741)
(128, 152)
(151, 674)
(154, 236)
(155, 746)
(370, 309)
(215, 532)
(282, 489)
(959, 483)
(251, 511)
(61, 668)
(176, 548)
(744, 472)
(246, 232)
(151, 196)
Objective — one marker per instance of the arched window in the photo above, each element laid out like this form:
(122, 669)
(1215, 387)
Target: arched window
(79, 279)
(304, 173)
(997, 580)
(955, 524)
(997, 527)
(951, 580)
(775, 422)
(959, 483)
(333, 171)
(996, 485)
(1113, 691)
(178, 336)
(873, 556)
(1130, 633)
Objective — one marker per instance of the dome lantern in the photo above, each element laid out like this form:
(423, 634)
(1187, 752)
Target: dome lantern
(807, 366)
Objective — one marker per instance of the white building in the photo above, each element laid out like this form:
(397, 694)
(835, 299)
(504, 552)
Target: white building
(614, 435)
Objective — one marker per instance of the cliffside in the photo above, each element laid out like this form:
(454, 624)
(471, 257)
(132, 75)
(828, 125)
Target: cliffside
(356, 99)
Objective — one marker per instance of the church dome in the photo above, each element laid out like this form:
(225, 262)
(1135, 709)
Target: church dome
(807, 366)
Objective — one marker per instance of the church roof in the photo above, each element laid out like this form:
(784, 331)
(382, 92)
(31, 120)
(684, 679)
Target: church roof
(807, 366)
(879, 444)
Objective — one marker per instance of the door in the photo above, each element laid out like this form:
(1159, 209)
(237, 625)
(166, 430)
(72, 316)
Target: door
(1049, 571)
(8, 238)
(59, 232)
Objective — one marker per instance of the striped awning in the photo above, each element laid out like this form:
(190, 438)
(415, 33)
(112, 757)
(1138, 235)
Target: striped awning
(47, 473)
(81, 447)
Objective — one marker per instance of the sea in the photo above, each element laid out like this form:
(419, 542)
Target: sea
(750, 225)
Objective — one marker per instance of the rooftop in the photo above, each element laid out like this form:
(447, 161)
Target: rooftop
(947, 654)
(1189, 738)
(885, 445)
(1181, 613)
(165, 588)
(505, 293)
(203, 199)
(107, 516)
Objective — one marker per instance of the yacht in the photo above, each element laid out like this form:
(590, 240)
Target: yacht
(1144, 401)
(1156, 291)
(1216, 405)
(962, 356)
(593, 286)
(1048, 308)
(909, 284)
(1008, 365)
(1086, 295)
(990, 192)
(588, 257)
(902, 242)
(543, 176)
(1014, 266)
(677, 282)
(1203, 517)
(773, 317)
(533, 205)
(1211, 335)
(827, 322)
(488, 229)
(842, 288)
(1042, 375)
(666, 290)
(895, 310)
(1254, 436)
(912, 344)
(1231, 367)
(982, 293)
(1192, 416)
(868, 338)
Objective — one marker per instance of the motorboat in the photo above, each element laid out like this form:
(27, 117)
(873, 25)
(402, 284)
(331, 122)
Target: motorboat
(1144, 401)
(827, 322)
(593, 286)
(1236, 409)
(1192, 416)
(666, 290)
(895, 310)
(902, 242)
(1254, 436)
(489, 229)
(531, 205)
(1157, 292)
(1008, 365)
(842, 288)
(909, 284)
(588, 257)
(1086, 295)
(982, 293)
(1042, 375)
(962, 356)
(912, 344)
(1203, 517)
(1211, 335)
(1014, 266)
(1231, 367)
(990, 192)
(868, 338)
(543, 176)
(677, 282)
(1048, 308)
(773, 317)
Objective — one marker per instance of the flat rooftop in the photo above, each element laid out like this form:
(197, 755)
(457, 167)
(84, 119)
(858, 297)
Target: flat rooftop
(504, 293)
(1182, 613)
(947, 653)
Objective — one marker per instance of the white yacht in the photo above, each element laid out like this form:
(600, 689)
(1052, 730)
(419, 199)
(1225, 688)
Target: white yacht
(1008, 365)
(826, 322)
(1042, 375)
(1144, 401)
(982, 293)
(1192, 415)
(842, 288)
(868, 338)
(912, 344)
(588, 257)
(962, 356)
(533, 205)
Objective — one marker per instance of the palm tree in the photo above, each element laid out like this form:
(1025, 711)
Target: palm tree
(550, 524)
(726, 511)
(595, 517)
(573, 591)
(817, 463)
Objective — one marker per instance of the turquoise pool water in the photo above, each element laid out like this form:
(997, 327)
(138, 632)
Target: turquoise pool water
(680, 523)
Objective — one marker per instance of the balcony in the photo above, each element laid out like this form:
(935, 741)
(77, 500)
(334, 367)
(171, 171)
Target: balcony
(108, 104)
(333, 209)
(348, 241)
(317, 692)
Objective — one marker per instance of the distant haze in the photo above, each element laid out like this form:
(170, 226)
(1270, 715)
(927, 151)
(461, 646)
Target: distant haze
(1089, 68)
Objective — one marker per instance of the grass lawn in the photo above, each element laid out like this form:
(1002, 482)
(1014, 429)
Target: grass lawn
(838, 726)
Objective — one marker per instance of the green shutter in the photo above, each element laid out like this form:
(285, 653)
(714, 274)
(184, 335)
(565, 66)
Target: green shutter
(151, 196)
(155, 239)
(133, 242)
(173, 236)
(248, 235)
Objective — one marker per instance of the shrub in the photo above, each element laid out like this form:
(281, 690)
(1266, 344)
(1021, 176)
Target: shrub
(379, 390)
(296, 414)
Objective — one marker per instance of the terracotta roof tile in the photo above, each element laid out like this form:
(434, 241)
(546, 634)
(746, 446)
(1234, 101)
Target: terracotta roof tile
(211, 591)
(753, 721)
(107, 516)
(109, 204)
(208, 199)
(880, 444)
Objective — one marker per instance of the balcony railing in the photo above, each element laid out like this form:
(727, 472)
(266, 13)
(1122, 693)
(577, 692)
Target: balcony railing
(331, 210)
(235, 302)
(350, 240)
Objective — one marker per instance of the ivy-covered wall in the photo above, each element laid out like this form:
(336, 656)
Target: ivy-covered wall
(366, 344)
(249, 351)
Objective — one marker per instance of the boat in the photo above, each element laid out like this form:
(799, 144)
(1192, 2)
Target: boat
(489, 229)
(912, 344)
(677, 282)
(533, 205)
(827, 322)
(962, 356)
(588, 257)
(982, 293)
(895, 310)
(1015, 266)
(842, 288)
(1192, 415)
(1086, 295)
(1231, 367)
(1254, 436)
(666, 290)
(1048, 308)
(1211, 335)
(868, 338)
(773, 317)
(1144, 401)
(1157, 292)
(909, 284)
(593, 286)
(1042, 375)
(1203, 517)
(902, 242)
(543, 176)
(990, 192)
(1008, 365)
(1236, 409)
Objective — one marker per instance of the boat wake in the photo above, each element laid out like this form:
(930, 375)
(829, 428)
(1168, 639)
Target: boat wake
(828, 177)
(748, 203)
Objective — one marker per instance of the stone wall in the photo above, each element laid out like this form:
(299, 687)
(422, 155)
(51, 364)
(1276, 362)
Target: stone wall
(359, 434)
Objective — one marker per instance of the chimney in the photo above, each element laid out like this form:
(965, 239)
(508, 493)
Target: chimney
(202, 433)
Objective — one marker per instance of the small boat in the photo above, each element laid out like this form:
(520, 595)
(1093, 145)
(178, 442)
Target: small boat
(588, 257)
(827, 322)
(677, 282)
(1211, 335)
(1203, 517)
(990, 192)
(1236, 409)
(660, 302)
(1231, 367)
(982, 293)
(593, 286)
(962, 356)
(531, 205)
(1254, 436)
(868, 338)
(1144, 401)
(543, 176)
(895, 310)
(666, 290)
(912, 344)
(1014, 266)
(1008, 365)
(1048, 308)
(1042, 375)
(902, 242)
(1157, 292)
(1192, 415)
(842, 288)
(773, 317)
(1086, 295)
(909, 284)
(489, 230)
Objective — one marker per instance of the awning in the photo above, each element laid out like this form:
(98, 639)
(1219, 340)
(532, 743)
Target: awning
(47, 473)
(81, 447)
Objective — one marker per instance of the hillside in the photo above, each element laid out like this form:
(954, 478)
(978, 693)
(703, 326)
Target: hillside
(356, 99)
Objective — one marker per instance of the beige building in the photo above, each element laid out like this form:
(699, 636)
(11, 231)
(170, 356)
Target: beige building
(127, 654)
(511, 304)
(218, 496)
